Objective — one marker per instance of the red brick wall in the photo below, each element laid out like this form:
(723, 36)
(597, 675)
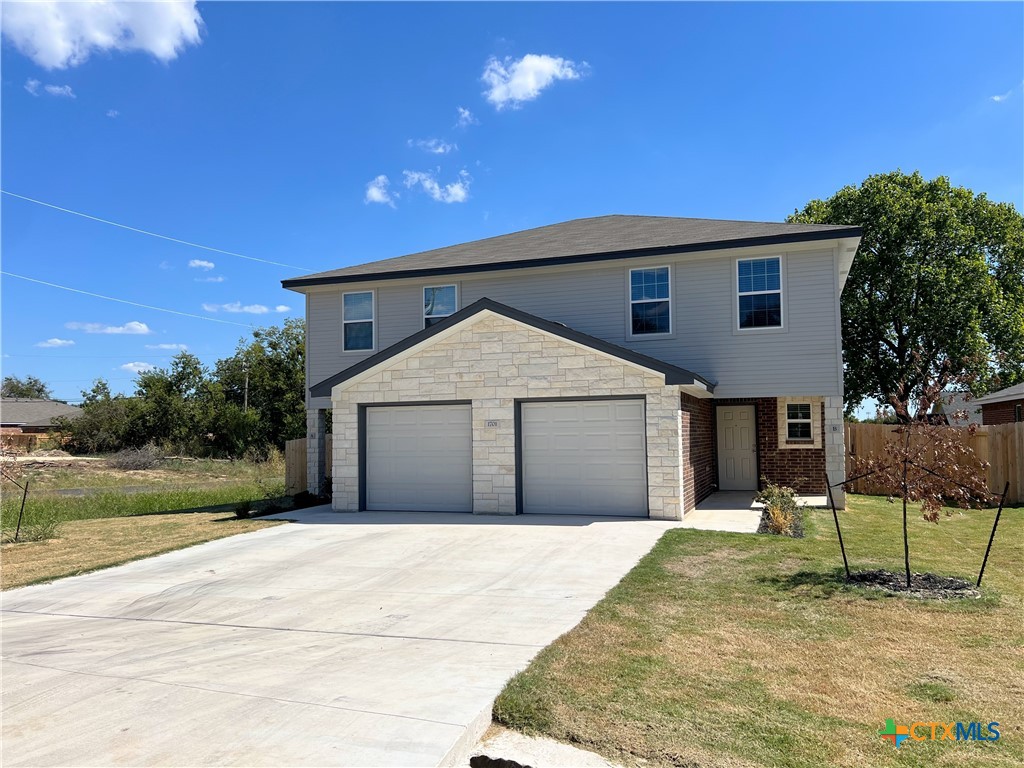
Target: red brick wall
(699, 478)
(1000, 413)
(800, 468)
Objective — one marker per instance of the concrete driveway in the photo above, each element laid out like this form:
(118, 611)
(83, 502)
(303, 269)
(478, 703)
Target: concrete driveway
(342, 639)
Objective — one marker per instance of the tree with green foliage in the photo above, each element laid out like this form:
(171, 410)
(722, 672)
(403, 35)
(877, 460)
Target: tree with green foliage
(30, 387)
(935, 297)
(274, 362)
(188, 409)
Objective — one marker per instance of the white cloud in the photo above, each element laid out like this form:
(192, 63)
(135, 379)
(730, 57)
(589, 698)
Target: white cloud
(998, 98)
(55, 343)
(132, 327)
(238, 307)
(212, 279)
(112, 113)
(465, 118)
(182, 347)
(165, 264)
(511, 82)
(138, 367)
(56, 35)
(201, 264)
(64, 91)
(456, 192)
(32, 86)
(434, 146)
(377, 191)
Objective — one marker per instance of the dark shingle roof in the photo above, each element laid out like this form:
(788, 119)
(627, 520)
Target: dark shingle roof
(602, 237)
(673, 373)
(27, 412)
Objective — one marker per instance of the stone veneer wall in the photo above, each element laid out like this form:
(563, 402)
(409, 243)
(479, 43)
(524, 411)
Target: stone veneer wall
(316, 432)
(492, 362)
(835, 447)
(699, 474)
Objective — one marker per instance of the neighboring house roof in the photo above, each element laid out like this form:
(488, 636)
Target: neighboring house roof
(593, 239)
(955, 402)
(673, 374)
(1016, 392)
(28, 412)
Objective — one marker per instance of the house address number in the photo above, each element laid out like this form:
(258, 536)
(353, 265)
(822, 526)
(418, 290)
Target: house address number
(492, 423)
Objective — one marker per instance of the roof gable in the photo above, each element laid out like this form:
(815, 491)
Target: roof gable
(594, 239)
(422, 339)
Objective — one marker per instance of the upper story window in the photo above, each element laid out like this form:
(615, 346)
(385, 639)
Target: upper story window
(649, 301)
(438, 302)
(357, 320)
(759, 289)
(798, 421)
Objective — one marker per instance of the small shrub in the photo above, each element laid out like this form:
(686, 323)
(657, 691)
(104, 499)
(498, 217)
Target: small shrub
(146, 457)
(780, 507)
(304, 499)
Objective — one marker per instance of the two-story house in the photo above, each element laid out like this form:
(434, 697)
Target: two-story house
(618, 365)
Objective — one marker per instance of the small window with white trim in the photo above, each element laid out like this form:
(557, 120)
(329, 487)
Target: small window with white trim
(357, 321)
(439, 301)
(650, 301)
(798, 421)
(759, 292)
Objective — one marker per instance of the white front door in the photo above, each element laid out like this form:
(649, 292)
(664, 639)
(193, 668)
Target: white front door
(737, 448)
(584, 457)
(420, 458)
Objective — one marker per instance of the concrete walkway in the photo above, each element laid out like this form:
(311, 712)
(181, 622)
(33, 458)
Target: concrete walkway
(370, 639)
(733, 511)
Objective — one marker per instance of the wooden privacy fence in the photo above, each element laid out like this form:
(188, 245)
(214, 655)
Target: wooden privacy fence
(1001, 445)
(295, 464)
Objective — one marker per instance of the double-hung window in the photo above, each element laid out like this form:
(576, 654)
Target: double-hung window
(650, 301)
(798, 421)
(759, 291)
(357, 321)
(439, 301)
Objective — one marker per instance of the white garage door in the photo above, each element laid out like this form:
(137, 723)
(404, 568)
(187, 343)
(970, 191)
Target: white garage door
(419, 457)
(584, 457)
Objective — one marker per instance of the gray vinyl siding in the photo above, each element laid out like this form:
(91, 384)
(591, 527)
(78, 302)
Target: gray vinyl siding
(801, 359)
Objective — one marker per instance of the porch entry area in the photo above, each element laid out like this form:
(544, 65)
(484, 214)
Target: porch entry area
(736, 426)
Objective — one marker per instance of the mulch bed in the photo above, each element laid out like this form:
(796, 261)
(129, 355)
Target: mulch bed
(927, 585)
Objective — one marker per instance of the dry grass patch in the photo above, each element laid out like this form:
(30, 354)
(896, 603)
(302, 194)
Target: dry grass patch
(87, 545)
(724, 649)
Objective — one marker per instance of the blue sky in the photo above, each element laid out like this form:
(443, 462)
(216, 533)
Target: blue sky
(264, 129)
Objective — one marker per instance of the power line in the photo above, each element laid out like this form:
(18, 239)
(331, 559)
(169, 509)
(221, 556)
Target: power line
(153, 234)
(59, 356)
(125, 301)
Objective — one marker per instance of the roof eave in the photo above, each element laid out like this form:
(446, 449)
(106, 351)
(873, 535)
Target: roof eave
(297, 283)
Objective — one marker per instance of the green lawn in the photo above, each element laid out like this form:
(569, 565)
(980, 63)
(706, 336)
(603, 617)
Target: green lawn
(741, 650)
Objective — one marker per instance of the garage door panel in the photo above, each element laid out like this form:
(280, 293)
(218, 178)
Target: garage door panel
(584, 457)
(419, 458)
